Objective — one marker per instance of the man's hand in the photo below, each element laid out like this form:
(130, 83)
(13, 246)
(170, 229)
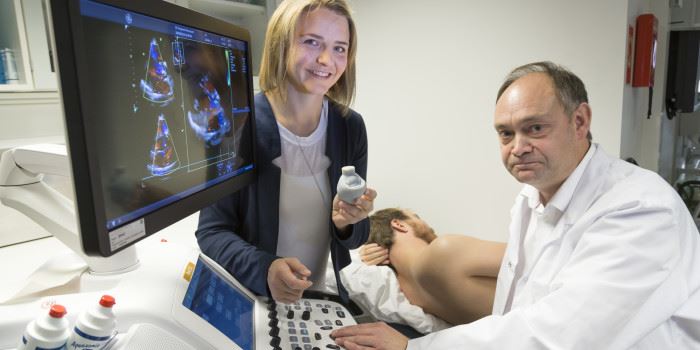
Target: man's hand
(374, 254)
(377, 335)
(287, 279)
(345, 214)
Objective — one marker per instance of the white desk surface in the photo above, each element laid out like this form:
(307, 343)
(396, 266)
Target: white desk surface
(20, 260)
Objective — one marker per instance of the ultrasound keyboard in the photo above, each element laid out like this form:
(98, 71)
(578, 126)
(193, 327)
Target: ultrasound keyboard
(306, 324)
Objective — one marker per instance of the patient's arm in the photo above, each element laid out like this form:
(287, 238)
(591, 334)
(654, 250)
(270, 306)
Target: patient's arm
(456, 277)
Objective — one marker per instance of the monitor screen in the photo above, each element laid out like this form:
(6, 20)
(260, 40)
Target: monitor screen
(215, 299)
(158, 106)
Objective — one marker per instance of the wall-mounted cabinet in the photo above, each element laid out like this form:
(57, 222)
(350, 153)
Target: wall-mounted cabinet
(685, 14)
(25, 47)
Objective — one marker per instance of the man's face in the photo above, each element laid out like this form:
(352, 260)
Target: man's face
(421, 229)
(540, 144)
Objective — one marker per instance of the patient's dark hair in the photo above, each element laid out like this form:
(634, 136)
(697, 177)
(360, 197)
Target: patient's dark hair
(380, 230)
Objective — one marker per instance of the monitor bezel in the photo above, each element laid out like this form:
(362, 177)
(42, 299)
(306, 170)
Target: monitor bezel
(70, 56)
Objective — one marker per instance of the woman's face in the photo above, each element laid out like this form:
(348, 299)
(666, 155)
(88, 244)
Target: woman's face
(319, 53)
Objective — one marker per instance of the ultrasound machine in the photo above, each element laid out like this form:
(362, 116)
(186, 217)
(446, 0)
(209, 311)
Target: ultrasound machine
(159, 122)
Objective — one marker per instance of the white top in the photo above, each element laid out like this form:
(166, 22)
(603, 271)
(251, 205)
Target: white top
(305, 199)
(619, 270)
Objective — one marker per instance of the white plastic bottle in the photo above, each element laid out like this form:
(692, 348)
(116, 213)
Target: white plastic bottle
(95, 327)
(350, 185)
(47, 332)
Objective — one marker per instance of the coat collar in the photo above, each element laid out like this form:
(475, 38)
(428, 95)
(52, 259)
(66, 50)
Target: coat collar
(267, 131)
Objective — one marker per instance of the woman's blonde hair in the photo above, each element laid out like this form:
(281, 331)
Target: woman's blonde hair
(280, 36)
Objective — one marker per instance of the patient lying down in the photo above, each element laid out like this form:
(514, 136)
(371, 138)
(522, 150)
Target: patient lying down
(451, 276)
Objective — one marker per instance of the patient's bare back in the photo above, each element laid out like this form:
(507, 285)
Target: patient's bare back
(456, 277)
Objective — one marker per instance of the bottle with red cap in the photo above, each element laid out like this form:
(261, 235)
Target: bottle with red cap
(95, 327)
(48, 331)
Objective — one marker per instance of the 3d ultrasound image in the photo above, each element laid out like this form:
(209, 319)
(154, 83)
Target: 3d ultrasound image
(178, 53)
(157, 86)
(208, 120)
(164, 157)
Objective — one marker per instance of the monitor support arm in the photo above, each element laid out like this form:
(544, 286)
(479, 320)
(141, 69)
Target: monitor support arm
(22, 170)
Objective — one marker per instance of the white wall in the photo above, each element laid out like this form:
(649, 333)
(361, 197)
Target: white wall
(428, 73)
(641, 137)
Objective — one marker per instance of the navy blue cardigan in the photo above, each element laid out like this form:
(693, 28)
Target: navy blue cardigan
(240, 231)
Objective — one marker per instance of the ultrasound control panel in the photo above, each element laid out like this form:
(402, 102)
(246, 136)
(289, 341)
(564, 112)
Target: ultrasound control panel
(215, 307)
(306, 324)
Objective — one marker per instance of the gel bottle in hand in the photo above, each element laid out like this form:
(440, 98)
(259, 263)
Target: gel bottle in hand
(95, 327)
(350, 185)
(48, 331)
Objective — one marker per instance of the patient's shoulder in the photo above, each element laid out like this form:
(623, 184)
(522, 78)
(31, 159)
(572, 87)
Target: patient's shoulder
(446, 245)
(465, 254)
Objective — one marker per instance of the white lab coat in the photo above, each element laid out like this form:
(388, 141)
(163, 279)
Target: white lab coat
(620, 270)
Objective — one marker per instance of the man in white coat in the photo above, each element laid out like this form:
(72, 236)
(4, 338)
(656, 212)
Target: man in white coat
(602, 254)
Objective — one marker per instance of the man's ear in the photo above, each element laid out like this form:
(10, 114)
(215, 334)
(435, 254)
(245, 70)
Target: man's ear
(582, 119)
(399, 225)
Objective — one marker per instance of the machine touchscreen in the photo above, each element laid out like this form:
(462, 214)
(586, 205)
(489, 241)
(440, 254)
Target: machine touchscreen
(217, 300)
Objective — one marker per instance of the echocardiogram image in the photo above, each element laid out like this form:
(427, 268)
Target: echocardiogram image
(208, 120)
(157, 86)
(164, 157)
(169, 105)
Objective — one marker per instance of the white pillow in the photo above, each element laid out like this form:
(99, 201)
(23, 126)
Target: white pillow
(376, 289)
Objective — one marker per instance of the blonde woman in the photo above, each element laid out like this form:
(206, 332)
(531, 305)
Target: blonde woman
(275, 235)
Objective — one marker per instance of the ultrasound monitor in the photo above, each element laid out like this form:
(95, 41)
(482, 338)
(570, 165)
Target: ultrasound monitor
(158, 107)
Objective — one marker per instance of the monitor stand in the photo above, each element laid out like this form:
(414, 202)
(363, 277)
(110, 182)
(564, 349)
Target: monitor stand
(22, 187)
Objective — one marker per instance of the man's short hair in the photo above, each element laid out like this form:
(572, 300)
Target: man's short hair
(381, 232)
(570, 90)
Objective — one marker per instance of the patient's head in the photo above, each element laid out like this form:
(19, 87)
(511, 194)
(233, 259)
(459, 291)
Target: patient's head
(385, 222)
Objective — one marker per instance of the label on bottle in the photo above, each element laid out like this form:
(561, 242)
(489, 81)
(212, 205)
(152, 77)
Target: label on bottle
(83, 341)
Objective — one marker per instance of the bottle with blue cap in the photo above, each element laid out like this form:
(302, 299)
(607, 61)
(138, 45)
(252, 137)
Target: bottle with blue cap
(95, 327)
(49, 331)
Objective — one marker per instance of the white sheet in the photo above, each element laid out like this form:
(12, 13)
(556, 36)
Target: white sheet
(376, 289)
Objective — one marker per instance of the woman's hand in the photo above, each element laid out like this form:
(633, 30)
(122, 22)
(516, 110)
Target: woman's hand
(287, 279)
(374, 254)
(344, 214)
